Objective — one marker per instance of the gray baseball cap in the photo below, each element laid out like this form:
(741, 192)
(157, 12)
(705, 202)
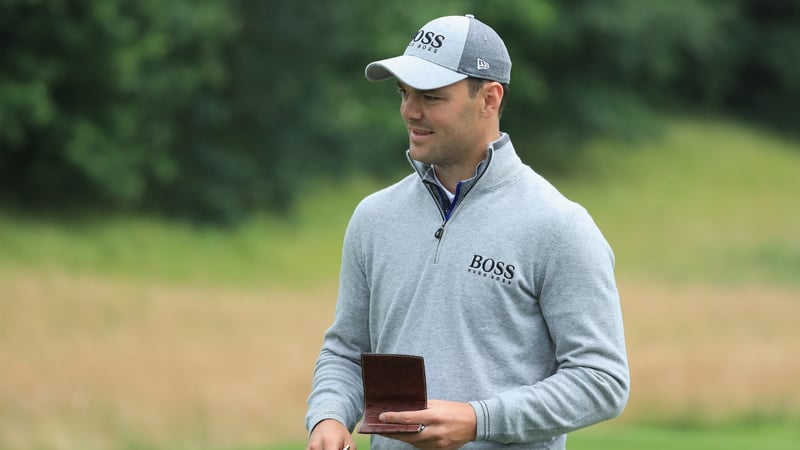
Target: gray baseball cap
(447, 50)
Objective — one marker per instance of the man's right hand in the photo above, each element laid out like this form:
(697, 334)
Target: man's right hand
(330, 434)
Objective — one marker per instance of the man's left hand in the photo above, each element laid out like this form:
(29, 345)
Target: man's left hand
(447, 425)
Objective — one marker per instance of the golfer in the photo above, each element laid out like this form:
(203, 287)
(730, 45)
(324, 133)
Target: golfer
(476, 263)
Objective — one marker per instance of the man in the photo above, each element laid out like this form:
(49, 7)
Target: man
(476, 263)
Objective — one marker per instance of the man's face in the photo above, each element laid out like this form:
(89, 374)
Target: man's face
(443, 124)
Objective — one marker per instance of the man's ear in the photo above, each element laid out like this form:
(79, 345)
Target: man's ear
(492, 98)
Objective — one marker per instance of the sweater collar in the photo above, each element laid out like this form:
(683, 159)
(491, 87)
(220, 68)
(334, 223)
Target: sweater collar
(505, 160)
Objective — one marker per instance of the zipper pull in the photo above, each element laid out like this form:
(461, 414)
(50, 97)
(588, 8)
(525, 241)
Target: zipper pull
(439, 233)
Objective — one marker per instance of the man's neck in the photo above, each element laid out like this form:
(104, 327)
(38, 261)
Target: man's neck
(450, 175)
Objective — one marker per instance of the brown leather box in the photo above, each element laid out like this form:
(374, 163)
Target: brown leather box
(391, 383)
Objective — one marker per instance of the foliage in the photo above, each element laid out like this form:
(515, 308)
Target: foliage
(214, 110)
(92, 95)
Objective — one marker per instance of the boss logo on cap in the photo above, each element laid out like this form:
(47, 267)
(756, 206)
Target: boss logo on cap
(427, 40)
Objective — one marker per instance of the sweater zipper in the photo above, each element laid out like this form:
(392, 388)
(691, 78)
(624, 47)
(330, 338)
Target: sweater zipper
(446, 215)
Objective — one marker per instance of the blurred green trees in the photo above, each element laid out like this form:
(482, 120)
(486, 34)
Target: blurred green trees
(98, 99)
(212, 110)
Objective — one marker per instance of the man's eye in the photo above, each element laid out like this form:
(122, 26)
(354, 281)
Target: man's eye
(402, 92)
(430, 97)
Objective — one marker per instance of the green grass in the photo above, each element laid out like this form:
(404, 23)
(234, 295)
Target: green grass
(711, 200)
(300, 249)
(734, 435)
(708, 200)
(779, 436)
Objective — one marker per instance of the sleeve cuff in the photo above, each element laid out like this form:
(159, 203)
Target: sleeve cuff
(482, 420)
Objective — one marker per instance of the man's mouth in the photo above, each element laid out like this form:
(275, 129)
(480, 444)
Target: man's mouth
(418, 132)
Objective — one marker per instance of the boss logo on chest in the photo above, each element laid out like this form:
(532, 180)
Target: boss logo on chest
(492, 268)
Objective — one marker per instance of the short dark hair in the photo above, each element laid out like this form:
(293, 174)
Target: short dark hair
(475, 85)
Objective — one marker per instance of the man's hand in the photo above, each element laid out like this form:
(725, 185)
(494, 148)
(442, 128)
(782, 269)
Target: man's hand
(448, 425)
(330, 434)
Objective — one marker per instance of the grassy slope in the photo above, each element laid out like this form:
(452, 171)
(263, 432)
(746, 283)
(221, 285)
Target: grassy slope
(710, 201)
(292, 252)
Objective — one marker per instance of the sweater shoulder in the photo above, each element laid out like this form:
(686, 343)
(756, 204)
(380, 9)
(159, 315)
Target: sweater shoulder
(545, 197)
(551, 213)
(387, 201)
(389, 196)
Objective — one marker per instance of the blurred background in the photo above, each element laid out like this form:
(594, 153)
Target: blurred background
(176, 178)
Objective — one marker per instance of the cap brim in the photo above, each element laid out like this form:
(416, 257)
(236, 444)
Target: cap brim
(413, 71)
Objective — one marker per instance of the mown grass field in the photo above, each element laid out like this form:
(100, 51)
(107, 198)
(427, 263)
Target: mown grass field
(733, 435)
(132, 333)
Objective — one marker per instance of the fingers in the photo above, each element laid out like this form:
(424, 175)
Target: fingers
(330, 445)
(422, 416)
(405, 417)
(330, 435)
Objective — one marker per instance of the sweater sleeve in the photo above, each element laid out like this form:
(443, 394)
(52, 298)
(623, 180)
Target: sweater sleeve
(336, 391)
(580, 305)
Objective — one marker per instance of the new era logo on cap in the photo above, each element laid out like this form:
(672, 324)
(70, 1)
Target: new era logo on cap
(447, 50)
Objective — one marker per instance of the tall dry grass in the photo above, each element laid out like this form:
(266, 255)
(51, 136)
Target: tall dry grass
(90, 362)
(99, 363)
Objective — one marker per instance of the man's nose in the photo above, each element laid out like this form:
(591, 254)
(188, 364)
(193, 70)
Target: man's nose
(410, 108)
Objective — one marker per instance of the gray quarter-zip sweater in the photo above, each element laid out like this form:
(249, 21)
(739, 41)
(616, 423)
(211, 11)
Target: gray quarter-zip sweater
(509, 295)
